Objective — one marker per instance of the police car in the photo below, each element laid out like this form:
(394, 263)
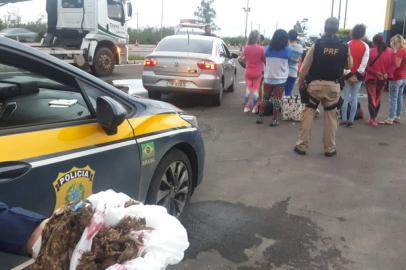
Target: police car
(65, 134)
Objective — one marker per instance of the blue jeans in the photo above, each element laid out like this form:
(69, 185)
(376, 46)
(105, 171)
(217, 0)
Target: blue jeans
(396, 89)
(290, 84)
(350, 94)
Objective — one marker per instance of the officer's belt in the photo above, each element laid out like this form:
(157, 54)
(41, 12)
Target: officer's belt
(314, 104)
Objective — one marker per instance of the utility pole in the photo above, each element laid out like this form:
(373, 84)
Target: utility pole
(332, 8)
(404, 23)
(339, 12)
(345, 17)
(162, 18)
(138, 14)
(247, 11)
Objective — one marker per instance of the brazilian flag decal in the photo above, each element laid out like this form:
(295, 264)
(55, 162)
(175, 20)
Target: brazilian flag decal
(148, 153)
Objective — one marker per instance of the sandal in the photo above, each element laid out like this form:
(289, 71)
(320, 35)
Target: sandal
(388, 122)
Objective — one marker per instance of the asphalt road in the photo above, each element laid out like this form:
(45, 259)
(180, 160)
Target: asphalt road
(260, 206)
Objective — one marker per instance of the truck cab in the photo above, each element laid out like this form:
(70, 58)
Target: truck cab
(88, 33)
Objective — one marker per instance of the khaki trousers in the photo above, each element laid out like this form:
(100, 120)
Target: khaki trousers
(328, 93)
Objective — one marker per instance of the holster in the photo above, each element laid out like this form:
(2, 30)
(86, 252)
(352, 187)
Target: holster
(304, 95)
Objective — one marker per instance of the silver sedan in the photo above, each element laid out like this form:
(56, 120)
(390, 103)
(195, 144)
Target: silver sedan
(190, 64)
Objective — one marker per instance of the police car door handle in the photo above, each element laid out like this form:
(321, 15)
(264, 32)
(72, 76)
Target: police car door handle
(12, 170)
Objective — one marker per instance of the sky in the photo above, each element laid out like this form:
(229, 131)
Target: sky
(266, 15)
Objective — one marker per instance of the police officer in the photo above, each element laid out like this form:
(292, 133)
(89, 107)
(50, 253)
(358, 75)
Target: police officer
(322, 68)
(19, 229)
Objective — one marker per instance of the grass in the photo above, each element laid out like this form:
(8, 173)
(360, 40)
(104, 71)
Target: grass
(135, 57)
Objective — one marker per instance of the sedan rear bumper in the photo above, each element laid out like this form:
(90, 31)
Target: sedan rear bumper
(204, 84)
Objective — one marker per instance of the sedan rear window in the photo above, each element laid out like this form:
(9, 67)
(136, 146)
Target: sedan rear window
(185, 45)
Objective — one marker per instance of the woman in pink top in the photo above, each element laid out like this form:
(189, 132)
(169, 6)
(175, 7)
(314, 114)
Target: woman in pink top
(377, 73)
(397, 84)
(254, 56)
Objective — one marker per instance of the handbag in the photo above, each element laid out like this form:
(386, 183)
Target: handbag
(292, 109)
(242, 61)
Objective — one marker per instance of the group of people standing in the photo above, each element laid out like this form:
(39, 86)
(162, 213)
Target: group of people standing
(377, 68)
(275, 67)
(329, 67)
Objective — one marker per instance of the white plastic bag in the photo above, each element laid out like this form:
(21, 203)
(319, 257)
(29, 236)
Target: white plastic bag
(164, 245)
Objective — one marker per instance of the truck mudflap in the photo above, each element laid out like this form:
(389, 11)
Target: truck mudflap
(122, 54)
(90, 46)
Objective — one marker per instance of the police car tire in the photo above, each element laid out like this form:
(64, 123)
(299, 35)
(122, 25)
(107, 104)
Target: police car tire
(172, 156)
(99, 70)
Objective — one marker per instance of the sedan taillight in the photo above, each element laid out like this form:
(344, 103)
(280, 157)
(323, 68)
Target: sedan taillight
(207, 65)
(149, 62)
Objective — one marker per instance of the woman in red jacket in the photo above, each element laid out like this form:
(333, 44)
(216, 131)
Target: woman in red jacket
(354, 77)
(378, 71)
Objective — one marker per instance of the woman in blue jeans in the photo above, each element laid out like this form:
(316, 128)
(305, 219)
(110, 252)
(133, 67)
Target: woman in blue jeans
(354, 77)
(397, 85)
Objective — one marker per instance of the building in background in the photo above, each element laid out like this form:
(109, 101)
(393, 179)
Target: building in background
(395, 22)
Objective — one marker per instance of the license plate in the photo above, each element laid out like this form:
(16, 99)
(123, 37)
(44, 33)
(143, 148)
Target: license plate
(176, 83)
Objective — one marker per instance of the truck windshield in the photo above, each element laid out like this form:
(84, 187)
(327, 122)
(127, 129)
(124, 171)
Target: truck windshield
(72, 3)
(116, 10)
(183, 45)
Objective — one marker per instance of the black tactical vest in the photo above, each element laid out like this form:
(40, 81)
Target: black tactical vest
(330, 56)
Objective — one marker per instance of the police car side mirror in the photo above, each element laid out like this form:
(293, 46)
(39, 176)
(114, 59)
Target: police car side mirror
(110, 114)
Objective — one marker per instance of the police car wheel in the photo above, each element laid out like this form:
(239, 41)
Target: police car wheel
(171, 184)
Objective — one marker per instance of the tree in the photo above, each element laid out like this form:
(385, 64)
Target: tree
(344, 35)
(301, 27)
(298, 28)
(206, 14)
(149, 35)
(12, 18)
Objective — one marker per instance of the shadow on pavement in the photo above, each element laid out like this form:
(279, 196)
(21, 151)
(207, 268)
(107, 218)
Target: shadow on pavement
(232, 229)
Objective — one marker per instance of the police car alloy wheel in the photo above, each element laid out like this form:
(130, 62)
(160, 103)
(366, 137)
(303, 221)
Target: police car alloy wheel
(171, 185)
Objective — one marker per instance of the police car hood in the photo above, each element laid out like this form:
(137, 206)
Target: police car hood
(158, 107)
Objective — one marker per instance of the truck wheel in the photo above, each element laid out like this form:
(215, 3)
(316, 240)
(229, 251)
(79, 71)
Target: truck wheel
(171, 185)
(103, 62)
(154, 95)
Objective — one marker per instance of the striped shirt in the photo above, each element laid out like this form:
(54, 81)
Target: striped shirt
(277, 66)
